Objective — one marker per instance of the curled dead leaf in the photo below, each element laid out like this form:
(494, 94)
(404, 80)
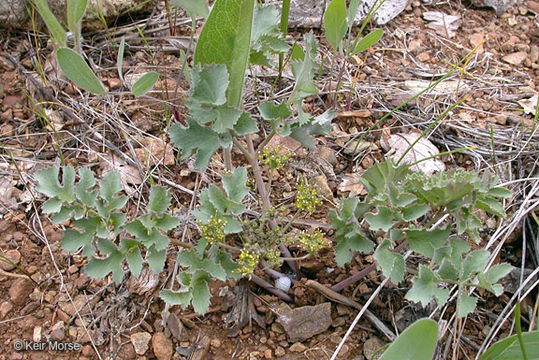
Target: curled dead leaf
(352, 184)
(398, 144)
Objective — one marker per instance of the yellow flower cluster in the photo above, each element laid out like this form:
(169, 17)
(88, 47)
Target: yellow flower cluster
(213, 230)
(306, 197)
(247, 262)
(313, 243)
(274, 159)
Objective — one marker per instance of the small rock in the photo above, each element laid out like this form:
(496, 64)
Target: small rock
(342, 310)
(19, 291)
(50, 296)
(176, 327)
(84, 336)
(279, 351)
(12, 256)
(82, 281)
(162, 346)
(72, 269)
(355, 147)
(515, 58)
(12, 101)
(16, 356)
(414, 46)
(5, 308)
(62, 315)
(534, 54)
(476, 41)
(321, 184)
(36, 337)
(79, 303)
(215, 343)
(328, 155)
(500, 119)
(88, 351)
(371, 346)
(339, 321)
(114, 84)
(140, 342)
(304, 322)
(267, 354)
(424, 57)
(298, 347)
(127, 352)
(58, 331)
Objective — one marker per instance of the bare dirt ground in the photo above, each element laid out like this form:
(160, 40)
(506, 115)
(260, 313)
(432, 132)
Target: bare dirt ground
(502, 72)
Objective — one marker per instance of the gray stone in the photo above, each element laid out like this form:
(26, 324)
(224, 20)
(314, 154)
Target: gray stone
(500, 6)
(304, 322)
(308, 13)
(140, 342)
(371, 347)
(19, 291)
(13, 13)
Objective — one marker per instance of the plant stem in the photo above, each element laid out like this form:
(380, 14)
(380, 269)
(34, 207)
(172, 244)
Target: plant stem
(266, 141)
(519, 332)
(260, 185)
(285, 13)
(360, 275)
(270, 288)
(227, 157)
(339, 79)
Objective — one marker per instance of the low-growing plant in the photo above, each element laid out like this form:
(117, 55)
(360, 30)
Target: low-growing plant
(101, 225)
(72, 62)
(433, 215)
(418, 342)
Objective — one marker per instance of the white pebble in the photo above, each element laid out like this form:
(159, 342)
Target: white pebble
(283, 283)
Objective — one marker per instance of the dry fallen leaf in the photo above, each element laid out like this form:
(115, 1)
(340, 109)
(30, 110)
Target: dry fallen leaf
(352, 184)
(529, 105)
(286, 143)
(399, 143)
(155, 151)
(443, 24)
(7, 195)
(445, 87)
(128, 173)
(55, 118)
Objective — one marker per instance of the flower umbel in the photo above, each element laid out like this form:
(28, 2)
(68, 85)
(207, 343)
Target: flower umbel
(306, 197)
(274, 158)
(213, 231)
(313, 243)
(247, 262)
